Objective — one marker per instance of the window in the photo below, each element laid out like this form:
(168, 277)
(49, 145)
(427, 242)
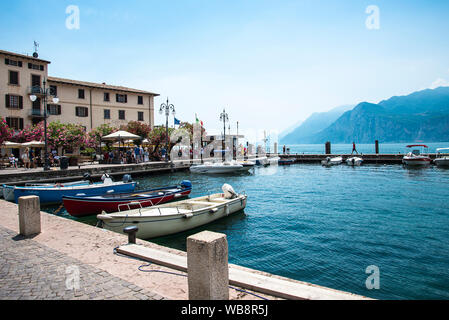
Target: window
(82, 112)
(139, 100)
(35, 80)
(35, 66)
(121, 114)
(14, 77)
(80, 93)
(54, 90)
(13, 101)
(106, 96)
(107, 114)
(54, 109)
(15, 123)
(140, 116)
(122, 98)
(14, 63)
(36, 104)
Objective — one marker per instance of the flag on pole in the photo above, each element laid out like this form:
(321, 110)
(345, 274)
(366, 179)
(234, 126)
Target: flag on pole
(177, 122)
(198, 120)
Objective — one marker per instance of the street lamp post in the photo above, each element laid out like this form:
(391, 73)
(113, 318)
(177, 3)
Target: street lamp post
(224, 117)
(44, 93)
(167, 107)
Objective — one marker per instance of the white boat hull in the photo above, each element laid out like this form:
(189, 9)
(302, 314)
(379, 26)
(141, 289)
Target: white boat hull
(416, 161)
(354, 161)
(156, 223)
(332, 162)
(219, 168)
(442, 162)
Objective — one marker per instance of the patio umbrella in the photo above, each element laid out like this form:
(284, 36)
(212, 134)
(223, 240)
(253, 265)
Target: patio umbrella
(34, 144)
(12, 145)
(121, 136)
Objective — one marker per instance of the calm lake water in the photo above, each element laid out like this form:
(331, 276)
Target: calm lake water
(327, 225)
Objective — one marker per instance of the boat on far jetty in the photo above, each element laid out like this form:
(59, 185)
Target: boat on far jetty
(418, 156)
(286, 162)
(442, 159)
(354, 161)
(332, 161)
(79, 206)
(220, 167)
(177, 216)
(54, 193)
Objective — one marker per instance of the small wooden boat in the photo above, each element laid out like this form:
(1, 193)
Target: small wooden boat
(78, 206)
(176, 217)
(53, 194)
(8, 191)
(442, 159)
(417, 157)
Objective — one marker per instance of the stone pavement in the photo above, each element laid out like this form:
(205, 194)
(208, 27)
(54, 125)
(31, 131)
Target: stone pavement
(31, 271)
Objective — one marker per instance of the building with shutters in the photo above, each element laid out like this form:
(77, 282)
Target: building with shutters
(85, 103)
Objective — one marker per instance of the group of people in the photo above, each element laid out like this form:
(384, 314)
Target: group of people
(136, 155)
(28, 159)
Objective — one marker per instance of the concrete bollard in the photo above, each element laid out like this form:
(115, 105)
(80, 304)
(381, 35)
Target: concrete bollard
(207, 266)
(29, 215)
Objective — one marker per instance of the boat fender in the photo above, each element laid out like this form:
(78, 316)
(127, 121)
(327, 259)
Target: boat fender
(227, 209)
(188, 215)
(214, 210)
(177, 195)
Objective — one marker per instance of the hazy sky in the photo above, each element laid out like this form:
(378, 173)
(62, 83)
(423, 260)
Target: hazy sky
(269, 63)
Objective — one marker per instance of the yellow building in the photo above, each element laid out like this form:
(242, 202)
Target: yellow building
(86, 103)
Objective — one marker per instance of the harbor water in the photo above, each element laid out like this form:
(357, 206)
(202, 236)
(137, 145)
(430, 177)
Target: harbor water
(328, 225)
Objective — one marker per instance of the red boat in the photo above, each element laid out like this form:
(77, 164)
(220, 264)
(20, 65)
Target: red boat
(80, 206)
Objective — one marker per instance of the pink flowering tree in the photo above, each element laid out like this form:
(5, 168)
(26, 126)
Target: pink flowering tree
(6, 132)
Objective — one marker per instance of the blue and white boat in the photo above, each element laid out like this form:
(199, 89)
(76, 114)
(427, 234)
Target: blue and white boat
(50, 194)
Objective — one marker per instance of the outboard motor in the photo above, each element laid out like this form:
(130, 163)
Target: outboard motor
(87, 177)
(229, 192)
(127, 178)
(186, 184)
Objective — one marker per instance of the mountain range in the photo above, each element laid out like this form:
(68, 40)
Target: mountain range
(417, 117)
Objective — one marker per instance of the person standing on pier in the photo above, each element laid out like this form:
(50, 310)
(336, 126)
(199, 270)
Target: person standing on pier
(354, 149)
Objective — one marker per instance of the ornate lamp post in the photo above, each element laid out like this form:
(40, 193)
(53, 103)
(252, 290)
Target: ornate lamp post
(224, 117)
(44, 93)
(167, 107)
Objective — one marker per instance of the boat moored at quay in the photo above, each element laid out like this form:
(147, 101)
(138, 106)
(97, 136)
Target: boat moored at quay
(52, 194)
(80, 206)
(177, 216)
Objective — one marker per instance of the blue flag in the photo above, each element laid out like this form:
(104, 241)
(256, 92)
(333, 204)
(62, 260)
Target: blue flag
(177, 122)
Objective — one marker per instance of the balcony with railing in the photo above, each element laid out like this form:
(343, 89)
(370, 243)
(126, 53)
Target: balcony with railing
(36, 113)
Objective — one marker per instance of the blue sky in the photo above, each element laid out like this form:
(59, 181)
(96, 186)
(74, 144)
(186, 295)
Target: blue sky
(270, 63)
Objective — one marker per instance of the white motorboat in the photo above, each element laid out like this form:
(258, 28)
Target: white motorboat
(442, 159)
(247, 163)
(332, 161)
(219, 167)
(177, 216)
(354, 161)
(418, 156)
